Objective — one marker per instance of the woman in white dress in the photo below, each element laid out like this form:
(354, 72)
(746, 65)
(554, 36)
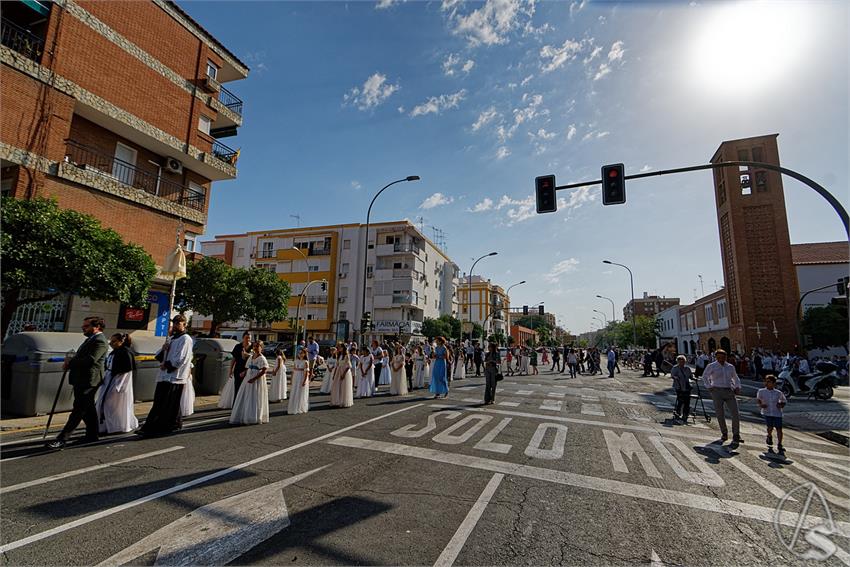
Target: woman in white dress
(278, 389)
(524, 361)
(365, 374)
(330, 366)
(460, 365)
(115, 398)
(385, 378)
(342, 390)
(225, 397)
(299, 398)
(418, 368)
(398, 384)
(187, 398)
(252, 401)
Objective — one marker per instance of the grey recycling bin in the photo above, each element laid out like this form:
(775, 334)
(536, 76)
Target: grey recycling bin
(147, 367)
(32, 370)
(212, 364)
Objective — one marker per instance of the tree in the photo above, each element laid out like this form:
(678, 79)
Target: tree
(826, 326)
(532, 321)
(499, 338)
(54, 251)
(445, 325)
(217, 290)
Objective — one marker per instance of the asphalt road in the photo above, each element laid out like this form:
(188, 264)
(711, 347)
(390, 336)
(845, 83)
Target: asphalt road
(585, 471)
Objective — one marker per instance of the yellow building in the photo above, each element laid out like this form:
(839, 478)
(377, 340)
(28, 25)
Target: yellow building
(489, 304)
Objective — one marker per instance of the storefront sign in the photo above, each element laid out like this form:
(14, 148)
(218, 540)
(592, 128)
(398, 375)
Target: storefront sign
(398, 327)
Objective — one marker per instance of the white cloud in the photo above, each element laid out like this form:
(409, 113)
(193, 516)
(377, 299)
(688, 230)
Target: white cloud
(602, 20)
(521, 210)
(616, 52)
(521, 115)
(484, 118)
(492, 23)
(577, 197)
(436, 200)
(450, 63)
(503, 152)
(593, 54)
(384, 4)
(576, 7)
(571, 132)
(594, 134)
(400, 109)
(645, 168)
(485, 205)
(604, 69)
(602, 134)
(559, 269)
(542, 134)
(375, 91)
(526, 80)
(555, 57)
(437, 104)
(355, 184)
(467, 67)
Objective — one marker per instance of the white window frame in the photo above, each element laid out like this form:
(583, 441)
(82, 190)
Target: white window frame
(214, 67)
(190, 241)
(346, 244)
(205, 124)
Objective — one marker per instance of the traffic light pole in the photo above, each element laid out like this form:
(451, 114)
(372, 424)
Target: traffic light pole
(830, 198)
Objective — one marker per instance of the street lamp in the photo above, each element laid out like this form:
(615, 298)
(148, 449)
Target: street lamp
(469, 291)
(603, 314)
(632, 283)
(366, 245)
(298, 309)
(613, 312)
(508, 294)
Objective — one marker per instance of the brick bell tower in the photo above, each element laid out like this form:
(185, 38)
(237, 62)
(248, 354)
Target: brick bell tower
(761, 285)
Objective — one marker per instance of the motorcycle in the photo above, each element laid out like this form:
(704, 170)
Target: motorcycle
(819, 384)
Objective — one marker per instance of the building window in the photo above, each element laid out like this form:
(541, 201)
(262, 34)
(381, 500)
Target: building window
(343, 315)
(396, 265)
(212, 70)
(189, 241)
(124, 166)
(761, 181)
(721, 193)
(369, 271)
(757, 155)
(204, 124)
(345, 268)
(268, 250)
(312, 268)
(346, 244)
(743, 155)
(240, 253)
(196, 192)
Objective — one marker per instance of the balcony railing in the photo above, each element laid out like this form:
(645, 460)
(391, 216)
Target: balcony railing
(405, 247)
(317, 299)
(406, 298)
(110, 167)
(21, 40)
(323, 251)
(225, 154)
(230, 100)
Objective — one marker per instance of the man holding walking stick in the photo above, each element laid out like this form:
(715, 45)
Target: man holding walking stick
(85, 373)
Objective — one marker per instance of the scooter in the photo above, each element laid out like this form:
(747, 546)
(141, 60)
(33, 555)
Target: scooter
(819, 384)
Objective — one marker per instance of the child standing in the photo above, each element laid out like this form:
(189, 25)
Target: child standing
(771, 401)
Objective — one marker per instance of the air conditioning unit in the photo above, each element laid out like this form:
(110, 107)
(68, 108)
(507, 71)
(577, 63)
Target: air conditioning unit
(211, 85)
(342, 300)
(173, 165)
(369, 275)
(343, 275)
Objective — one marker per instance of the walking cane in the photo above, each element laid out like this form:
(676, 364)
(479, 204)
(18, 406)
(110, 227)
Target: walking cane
(68, 356)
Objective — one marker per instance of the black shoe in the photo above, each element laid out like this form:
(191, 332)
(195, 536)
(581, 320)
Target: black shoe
(737, 440)
(781, 450)
(724, 438)
(770, 449)
(56, 444)
(769, 441)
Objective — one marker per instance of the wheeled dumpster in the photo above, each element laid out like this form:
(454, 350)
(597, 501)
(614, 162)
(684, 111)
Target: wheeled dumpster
(147, 367)
(212, 364)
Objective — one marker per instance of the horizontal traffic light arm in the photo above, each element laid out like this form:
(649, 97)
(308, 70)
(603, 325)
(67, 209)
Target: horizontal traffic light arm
(836, 205)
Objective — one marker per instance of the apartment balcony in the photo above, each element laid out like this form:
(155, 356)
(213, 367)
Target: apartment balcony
(397, 248)
(109, 168)
(323, 251)
(228, 108)
(22, 40)
(224, 153)
(230, 100)
(317, 300)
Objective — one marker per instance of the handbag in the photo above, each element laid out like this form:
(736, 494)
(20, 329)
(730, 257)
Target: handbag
(499, 377)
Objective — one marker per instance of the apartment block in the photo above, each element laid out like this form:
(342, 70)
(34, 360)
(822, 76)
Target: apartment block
(648, 305)
(406, 277)
(486, 303)
(117, 110)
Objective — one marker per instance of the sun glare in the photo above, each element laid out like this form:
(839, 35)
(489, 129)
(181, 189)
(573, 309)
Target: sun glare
(744, 48)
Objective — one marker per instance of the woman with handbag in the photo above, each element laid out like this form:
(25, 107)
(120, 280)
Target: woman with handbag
(492, 364)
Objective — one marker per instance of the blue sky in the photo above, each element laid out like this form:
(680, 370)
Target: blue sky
(480, 98)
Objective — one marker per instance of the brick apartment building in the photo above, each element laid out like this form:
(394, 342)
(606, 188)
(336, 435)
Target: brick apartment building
(115, 109)
(648, 305)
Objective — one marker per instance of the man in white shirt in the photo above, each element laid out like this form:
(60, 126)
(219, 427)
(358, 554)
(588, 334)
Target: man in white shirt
(723, 384)
(175, 359)
(701, 362)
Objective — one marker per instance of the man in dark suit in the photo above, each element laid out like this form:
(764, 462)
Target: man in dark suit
(85, 374)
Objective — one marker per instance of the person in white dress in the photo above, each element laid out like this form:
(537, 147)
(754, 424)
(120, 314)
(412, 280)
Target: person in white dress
(187, 398)
(278, 386)
(330, 366)
(299, 398)
(365, 374)
(252, 401)
(460, 365)
(525, 359)
(225, 396)
(418, 368)
(115, 398)
(398, 381)
(342, 390)
(385, 378)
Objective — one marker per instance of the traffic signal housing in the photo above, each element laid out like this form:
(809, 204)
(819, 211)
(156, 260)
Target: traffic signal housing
(544, 189)
(613, 184)
(540, 310)
(525, 309)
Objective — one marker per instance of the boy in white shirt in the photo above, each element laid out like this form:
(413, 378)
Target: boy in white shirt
(771, 401)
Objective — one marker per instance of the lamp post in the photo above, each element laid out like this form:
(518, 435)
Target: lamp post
(632, 284)
(366, 244)
(508, 294)
(298, 309)
(469, 292)
(603, 314)
(613, 309)
(306, 314)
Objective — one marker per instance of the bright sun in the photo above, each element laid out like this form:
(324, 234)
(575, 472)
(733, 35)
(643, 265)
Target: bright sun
(745, 48)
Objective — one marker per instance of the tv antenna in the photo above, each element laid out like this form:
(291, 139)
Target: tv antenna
(297, 219)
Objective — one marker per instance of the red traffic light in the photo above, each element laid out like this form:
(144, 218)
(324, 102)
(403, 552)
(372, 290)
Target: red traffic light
(613, 173)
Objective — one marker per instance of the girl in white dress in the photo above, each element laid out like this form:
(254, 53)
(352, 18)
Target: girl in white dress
(252, 401)
(330, 366)
(225, 397)
(115, 398)
(187, 398)
(398, 385)
(385, 378)
(460, 366)
(418, 369)
(278, 390)
(524, 361)
(299, 398)
(365, 374)
(342, 390)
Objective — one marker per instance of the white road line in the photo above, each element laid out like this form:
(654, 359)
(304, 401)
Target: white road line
(509, 404)
(610, 486)
(206, 478)
(455, 545)
(648, 429)
(759, 479)
(472, 400)
(592, 409)
(552, 405)
(60, 476)
(556, 395)
(524, 392)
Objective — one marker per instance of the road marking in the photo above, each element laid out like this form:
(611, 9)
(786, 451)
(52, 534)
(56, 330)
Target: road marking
(509, 404)
(655, 561)
(60, 476)
(650, 493)
(552, 405)
(648, 429)
(592, 409)
(217, 533)
(183, 486)
(472, 400)
(556, 395)
(759, 479)
(487, 442)
(524, 392)
(455, 545)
